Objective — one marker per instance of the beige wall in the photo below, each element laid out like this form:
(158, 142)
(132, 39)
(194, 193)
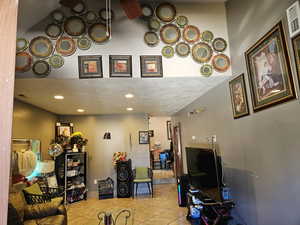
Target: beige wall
(34, 123)
(100, 151)
(159, 125)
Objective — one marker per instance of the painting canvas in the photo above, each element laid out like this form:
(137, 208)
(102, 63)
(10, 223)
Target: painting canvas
(169, 130)
(143, 137)
(120, 65)
(296, 46)
(269, 70)
(90, 66)
(64, 129)
(151, 66)
(238, 95)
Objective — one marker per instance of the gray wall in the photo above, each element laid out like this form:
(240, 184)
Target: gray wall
(100, 151)
(34, 123)
(261, 151)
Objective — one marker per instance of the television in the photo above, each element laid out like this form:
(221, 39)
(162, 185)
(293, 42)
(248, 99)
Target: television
(205, 170)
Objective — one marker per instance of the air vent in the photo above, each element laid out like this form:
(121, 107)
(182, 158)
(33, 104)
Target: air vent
(293, 16)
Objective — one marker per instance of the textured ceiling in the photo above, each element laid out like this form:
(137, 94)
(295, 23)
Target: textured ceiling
(157, 96)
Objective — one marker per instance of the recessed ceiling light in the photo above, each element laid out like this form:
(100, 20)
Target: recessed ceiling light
(80, 110)
(59, 97)
(129, 109)
(129, 95)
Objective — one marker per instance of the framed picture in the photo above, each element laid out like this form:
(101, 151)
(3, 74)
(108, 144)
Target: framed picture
(90, 66)
(296, 47)
(143, 137)
(151, 133)
(120, 66)
(151, 66)
(269, 71)
(169, 130)
(238, 95)
(64, 129)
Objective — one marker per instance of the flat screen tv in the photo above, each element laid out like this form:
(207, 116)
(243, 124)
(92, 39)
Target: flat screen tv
(205, 170)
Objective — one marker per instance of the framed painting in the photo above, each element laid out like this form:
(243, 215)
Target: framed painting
(151, 66)
(90, 66)
(296, 47)
(120, 66)
(238, 95)
(269, 70)
(63, 129)
(169, 129)
(143, 137)
(151, 133)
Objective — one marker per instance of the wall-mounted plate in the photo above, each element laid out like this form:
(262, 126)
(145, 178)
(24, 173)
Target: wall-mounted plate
(170, 34)
(58, 16)
(191, 34)
(53, 31)
(23, 62)
(147, 11)
(41, 47)
(151, 39)
(183, 49)
(182, 21)
(207, 36)
(74, 26)
(154, 24)
(104, 16)
(98, 33)
(22, 44)
(84, 43)
(56, 61)
(168, 51)
(219, 44)
(41, 68)
(65, 46)
(202, 52)
(91, 17)
(221, 63)
(79, 8)
(166, 12)
(206, 70)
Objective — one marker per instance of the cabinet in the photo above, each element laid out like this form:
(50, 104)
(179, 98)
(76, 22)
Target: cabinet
(71, 172)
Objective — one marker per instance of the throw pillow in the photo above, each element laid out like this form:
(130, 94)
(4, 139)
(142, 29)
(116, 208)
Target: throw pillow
(34, 189)
(40, 210)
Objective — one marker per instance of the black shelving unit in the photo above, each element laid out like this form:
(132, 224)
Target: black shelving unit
(71, 171)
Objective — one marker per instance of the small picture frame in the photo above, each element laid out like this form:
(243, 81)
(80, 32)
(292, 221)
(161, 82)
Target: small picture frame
(120, 66)
(63, 129)
(90, 66)
(151, 66)
(151, 133)
(169, 129)
(143, 137)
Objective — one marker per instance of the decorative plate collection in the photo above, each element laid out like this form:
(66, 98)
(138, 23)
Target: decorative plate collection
(184, 39)
(63, 35)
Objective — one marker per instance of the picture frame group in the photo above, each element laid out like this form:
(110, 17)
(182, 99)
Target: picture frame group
(120, 66)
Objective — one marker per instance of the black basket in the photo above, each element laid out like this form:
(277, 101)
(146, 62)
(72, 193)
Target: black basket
(106, 188)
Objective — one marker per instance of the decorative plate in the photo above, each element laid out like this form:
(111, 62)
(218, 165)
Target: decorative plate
(41, 68)
(170, 34)
(182, 21)
(206, 70)
(104, 17)
(74, 26)
(207, 36)
(58, 16)
(53, 31)
(151, 38)
(84, 43)
(191, 34)
(168, 51)
(219, 45)
(202, 52)
(147, 11)
(91, 17)
(23, 62)
(154, 24)
(56, 61)
(41, 47)
(221, 63)
(22, 44)
(79, 8)
(183, 49)
(166, 12)
(65, 46)
(98, 33)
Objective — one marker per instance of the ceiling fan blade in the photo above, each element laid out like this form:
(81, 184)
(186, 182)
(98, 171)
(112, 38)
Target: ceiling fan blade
(132, 8)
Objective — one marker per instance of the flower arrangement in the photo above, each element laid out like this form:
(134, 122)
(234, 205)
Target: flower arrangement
(77, 138)
(119, 156)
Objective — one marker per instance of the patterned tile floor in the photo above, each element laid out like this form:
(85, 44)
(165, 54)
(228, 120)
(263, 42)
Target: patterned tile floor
(160, 210)
(161, 174)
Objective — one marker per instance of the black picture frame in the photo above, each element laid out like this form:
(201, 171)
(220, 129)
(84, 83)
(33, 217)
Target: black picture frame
(169, 129)
(151, 66)
(296, 48)
(90, 66)
(125, 66)
(151, 133)
(143, 137)
(65, 129)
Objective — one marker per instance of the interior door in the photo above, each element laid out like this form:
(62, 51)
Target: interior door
(177, 150)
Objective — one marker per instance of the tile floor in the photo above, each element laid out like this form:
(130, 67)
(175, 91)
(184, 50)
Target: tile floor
(160, 210)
